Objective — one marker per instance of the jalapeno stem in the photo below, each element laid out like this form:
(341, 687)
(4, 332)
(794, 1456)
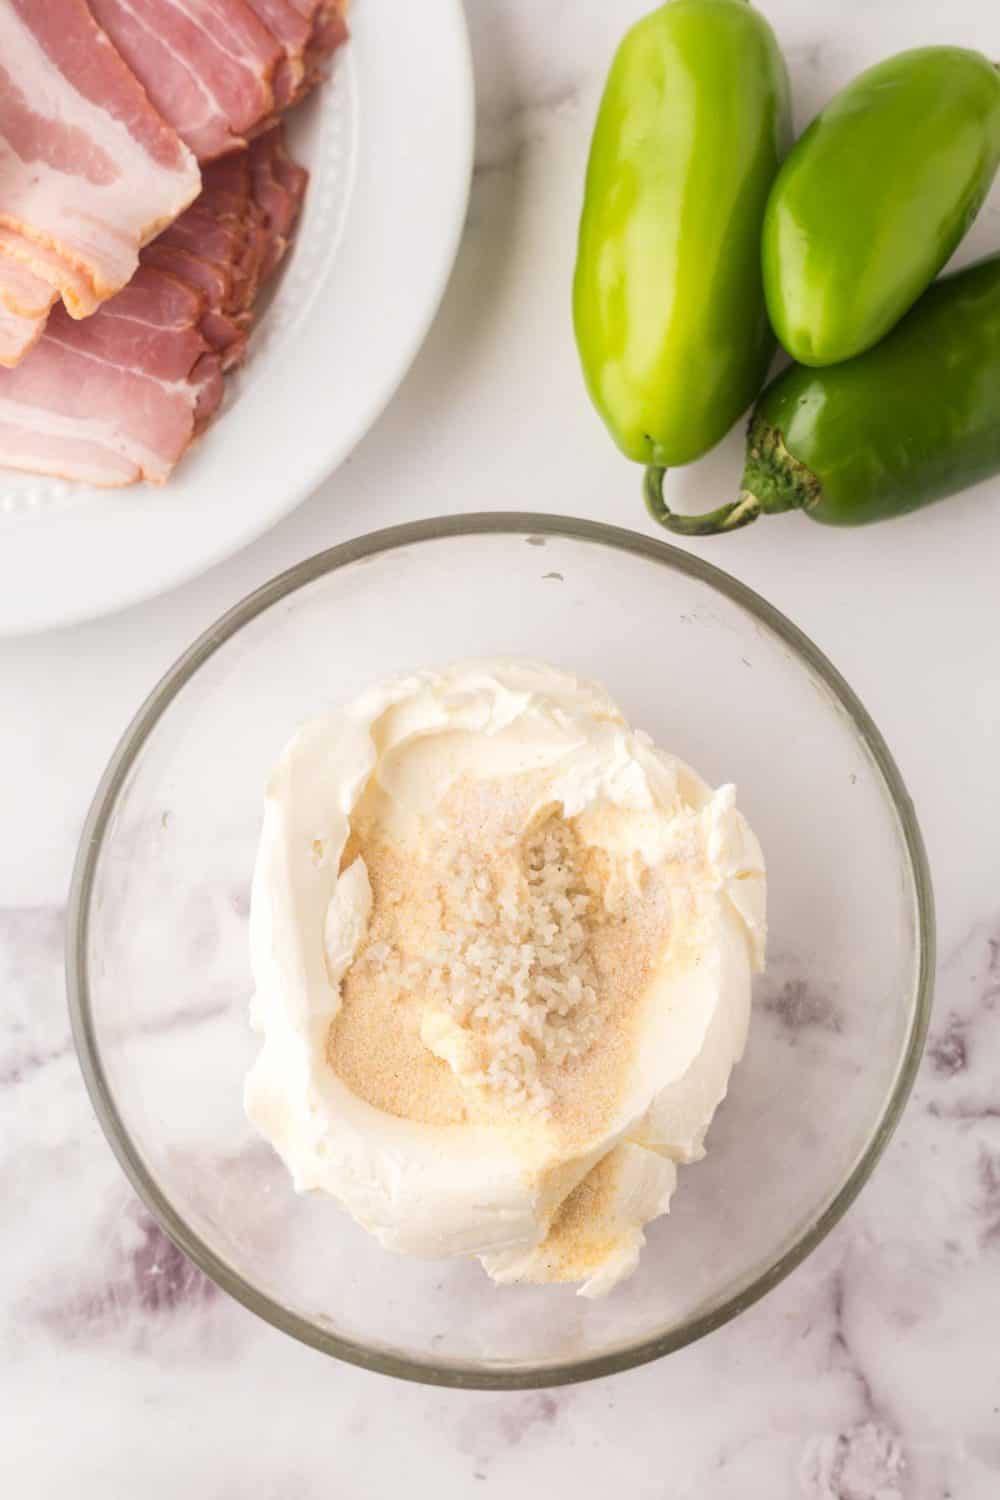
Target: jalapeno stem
(773, 481)
(729, 517)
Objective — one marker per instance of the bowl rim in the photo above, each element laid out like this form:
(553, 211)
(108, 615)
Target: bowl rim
(461, 1374)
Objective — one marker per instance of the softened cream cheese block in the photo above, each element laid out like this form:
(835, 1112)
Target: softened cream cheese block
(502, 950)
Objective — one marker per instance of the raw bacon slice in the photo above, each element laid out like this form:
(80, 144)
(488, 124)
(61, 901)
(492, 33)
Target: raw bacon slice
(25, 301)
(309, 31)
(224, 329)
(18, 336)
(233, 237)
(21, 291)
(329, 31)
(279, 188)
(228, 244)
(117, 397)
(48, 267)
(90, 171)
(293, 32)
(207, 65)
(246, 213)
(120, 396)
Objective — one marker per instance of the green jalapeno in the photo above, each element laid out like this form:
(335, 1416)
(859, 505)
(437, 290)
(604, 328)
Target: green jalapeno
(668, 301)
(910, 421)
(875, 196)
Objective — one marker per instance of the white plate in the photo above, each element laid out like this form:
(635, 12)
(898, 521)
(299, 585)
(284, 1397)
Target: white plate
(389, 144)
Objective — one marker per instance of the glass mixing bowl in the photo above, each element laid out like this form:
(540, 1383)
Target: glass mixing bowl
(159, 978)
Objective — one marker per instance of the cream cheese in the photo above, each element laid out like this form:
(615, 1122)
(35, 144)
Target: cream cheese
(534, 1199)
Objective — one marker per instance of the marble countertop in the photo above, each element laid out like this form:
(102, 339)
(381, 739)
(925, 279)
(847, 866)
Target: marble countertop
(872, 1372)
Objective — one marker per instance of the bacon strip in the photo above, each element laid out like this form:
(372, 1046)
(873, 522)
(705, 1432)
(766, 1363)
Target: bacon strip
(220, 70)
(94, 171)
(293, 32)
(25, 300)
(89, 170)
(121, 395)
(279, 188)
(309, 31)
(234, 236)
(18, 336)
(329, 31)
(117, 397)
(207, 65)
(21, 291)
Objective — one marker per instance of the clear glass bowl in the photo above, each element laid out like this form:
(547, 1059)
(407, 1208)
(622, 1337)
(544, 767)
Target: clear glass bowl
(160, 983)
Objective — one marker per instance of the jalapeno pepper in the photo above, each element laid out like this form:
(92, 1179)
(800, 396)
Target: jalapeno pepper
(668, 300)
(875, 196)
(912, 420)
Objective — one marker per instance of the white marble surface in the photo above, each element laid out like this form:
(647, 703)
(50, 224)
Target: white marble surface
(872, 1373)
